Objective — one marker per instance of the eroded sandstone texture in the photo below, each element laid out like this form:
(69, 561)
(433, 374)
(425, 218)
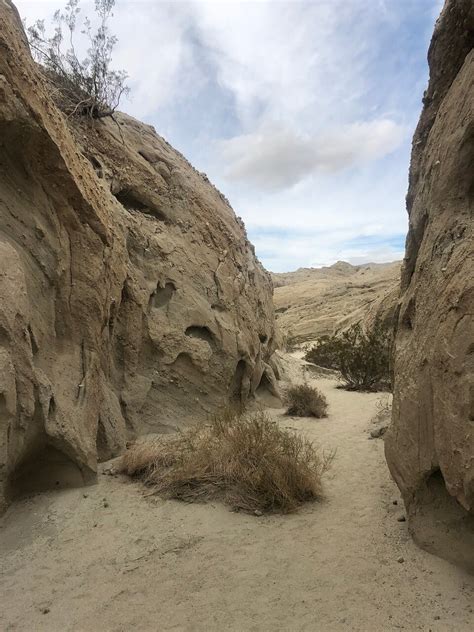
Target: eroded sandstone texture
(430, 447)
(130, 298)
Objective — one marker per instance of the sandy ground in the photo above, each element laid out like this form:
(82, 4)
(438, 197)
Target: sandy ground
(110, 558)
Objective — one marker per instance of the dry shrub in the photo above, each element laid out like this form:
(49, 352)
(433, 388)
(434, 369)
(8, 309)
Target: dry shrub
(245, 460)
(86, 86)
(306, 401)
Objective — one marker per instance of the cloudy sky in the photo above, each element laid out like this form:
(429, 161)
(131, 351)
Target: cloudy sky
(301, 112)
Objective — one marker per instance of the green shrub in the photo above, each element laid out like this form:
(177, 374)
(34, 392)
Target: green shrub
(245, 460)
(325, 352)
(306, 401)
(363, 359)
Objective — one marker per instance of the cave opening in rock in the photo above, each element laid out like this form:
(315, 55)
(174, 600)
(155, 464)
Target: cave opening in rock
(132, 201)
(46, 468)
(264, 385)
(162, 295)
(440, 524)
(201, 333)
(237, 381)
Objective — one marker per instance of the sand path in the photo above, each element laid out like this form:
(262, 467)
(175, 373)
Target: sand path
(72, 561)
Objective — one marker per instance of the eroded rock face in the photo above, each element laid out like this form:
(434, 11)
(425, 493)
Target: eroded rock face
(130, 298)
(430, 446)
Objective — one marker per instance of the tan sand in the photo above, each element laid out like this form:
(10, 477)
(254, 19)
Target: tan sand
(109, 558)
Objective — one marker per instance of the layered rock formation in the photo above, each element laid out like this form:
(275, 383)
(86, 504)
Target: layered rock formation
(311, 302)
(430, 447)
(130, 298)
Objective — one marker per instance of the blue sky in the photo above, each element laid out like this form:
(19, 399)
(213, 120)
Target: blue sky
(300, 112)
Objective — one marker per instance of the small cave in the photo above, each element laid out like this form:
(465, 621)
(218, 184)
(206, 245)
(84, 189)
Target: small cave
(201, 333)
(266, 394)
(133, 201)
(440, 524)
(237, 381)
(162, 295)
(263, 338)
(46, 468)
(264, 386)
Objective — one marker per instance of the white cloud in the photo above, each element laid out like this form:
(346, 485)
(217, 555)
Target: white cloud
(314, 100)
(276, 157)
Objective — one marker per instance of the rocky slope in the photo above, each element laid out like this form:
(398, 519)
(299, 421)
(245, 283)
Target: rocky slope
(130, 298)
(430, 447)
(311, 302)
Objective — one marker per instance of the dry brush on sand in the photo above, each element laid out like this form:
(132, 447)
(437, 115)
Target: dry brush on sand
(243, 459)
(304, 400)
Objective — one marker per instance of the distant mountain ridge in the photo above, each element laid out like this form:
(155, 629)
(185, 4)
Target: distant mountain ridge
(310, 302)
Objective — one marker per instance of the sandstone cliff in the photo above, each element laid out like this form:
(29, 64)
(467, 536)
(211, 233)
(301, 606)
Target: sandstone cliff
(430, 447)
(311, 302)
(130, 298)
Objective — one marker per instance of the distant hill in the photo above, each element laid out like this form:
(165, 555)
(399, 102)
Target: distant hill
(310, 302)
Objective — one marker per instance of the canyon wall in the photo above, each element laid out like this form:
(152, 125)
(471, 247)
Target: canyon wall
(430, 446)
(131, 301)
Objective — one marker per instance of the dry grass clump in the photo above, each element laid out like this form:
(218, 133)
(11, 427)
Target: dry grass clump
(245, 460)
(306, 401)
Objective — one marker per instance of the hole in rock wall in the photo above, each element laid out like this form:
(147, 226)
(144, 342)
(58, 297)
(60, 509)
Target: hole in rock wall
(44, 469)
(263, 338)
(237, 381)
(202, 333)
(266, 394)
(162, 295)
(132, 201)
(264, 385)
(440, 524)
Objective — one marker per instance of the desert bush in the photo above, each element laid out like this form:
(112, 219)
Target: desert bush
(245, 460)
(306, 401)
(85, 86)
(363, 358)
(325, 352)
